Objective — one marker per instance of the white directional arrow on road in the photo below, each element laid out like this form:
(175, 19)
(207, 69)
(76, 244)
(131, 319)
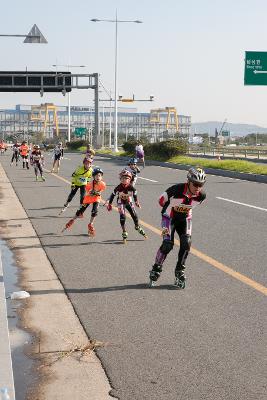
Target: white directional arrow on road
(259, 72)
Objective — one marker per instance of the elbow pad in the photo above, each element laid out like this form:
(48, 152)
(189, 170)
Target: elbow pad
(163, 199)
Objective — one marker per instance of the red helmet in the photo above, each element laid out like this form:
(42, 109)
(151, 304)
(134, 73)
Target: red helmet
(124, 172)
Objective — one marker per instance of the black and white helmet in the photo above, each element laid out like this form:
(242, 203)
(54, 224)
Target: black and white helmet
(196, 175)
(97, 170)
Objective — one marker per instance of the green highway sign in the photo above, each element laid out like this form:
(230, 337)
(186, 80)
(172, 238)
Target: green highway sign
(80, 131)
(255, 68)
(225, 133)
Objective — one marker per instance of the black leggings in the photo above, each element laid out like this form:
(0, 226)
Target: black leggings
(74, 191)
(183, 228)
(85, 206)
(38, 166)
(25, 160)
(15, 156)
(130, 208)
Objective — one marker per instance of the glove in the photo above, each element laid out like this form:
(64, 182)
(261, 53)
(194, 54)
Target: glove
(109, 207)
(137, 204)
(165, 232)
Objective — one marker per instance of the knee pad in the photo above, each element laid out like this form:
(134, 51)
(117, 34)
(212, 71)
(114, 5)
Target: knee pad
(185, 242)
(80, 211)
(94, 213)
(166, 246)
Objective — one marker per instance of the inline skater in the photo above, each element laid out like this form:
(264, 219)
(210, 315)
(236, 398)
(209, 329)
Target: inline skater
(140, 154)
(2, 147)
(58, 155)
(37, 161)
(89, 153)
(125, 192)
(93, 191)
(15, 155)
(177, 204)
(79, 180)
(133, 168)
(24, 153)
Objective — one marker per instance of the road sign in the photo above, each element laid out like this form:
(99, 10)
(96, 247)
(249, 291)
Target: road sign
(80, 131)
(35, 81)
(35, 36)
(225, 133)
(255, 68)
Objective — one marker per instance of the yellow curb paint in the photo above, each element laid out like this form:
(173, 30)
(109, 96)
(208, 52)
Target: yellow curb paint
(209, 260)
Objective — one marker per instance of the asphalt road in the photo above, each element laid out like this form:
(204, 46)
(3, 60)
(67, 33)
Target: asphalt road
(205, 342)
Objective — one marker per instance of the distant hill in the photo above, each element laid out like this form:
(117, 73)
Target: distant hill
(235, 129)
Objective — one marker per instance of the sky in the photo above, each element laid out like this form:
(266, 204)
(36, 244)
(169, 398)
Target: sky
(187, 53)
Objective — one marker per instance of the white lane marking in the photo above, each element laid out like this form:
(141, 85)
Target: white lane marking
(146, 179)
(242, 204)
(65, 158)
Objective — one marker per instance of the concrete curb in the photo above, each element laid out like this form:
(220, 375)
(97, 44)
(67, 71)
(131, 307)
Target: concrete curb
(210, 171)
(6, 371)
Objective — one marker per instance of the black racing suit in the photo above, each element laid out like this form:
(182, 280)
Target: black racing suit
(37, 159)
(177, 204)
(124, 202)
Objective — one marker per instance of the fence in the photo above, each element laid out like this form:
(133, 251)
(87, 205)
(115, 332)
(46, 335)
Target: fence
(251, 154)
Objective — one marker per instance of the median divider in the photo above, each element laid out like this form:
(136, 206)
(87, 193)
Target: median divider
(209, 171)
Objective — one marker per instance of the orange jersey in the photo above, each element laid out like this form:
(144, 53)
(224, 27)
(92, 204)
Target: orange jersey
(93, 192)
(24, 150)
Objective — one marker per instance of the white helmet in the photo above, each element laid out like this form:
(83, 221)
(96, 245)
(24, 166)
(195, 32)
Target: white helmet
(196, 175)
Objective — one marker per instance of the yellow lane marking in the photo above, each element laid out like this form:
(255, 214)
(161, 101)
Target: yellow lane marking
(230, 271)
(209, 260)
(58, 176)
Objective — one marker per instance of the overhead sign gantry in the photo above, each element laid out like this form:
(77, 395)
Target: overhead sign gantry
(36, 81)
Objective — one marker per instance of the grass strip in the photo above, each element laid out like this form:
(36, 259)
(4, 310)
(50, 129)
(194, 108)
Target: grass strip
(230, 165)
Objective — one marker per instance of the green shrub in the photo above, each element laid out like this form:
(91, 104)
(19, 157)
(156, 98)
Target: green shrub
(165, 149)
(76, 144)
(129, 146)
(168, 148)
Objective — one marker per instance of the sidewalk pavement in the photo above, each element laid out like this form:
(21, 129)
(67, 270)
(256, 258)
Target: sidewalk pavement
(6, 372)
(58, 371)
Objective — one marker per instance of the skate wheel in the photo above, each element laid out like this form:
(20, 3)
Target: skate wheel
(152, 283)
(180, 285)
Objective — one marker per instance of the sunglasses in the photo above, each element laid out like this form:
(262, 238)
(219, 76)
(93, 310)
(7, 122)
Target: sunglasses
(197, 185)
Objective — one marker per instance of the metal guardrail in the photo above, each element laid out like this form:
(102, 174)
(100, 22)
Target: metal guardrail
(230, 152)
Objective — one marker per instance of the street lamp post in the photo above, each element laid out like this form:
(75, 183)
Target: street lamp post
(68, 66)
(116, 21)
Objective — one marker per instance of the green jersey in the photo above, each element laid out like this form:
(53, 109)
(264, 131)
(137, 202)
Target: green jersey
(81, 176)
